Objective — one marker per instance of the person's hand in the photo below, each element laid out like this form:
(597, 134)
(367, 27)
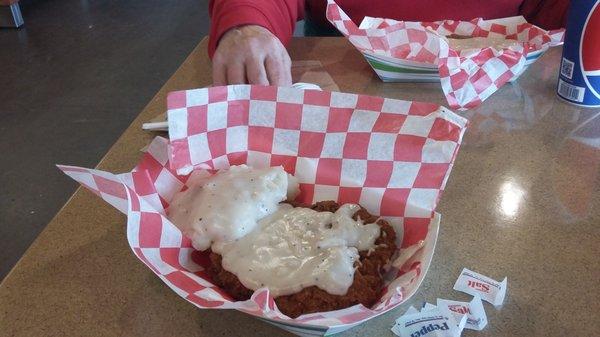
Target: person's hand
(251, 54)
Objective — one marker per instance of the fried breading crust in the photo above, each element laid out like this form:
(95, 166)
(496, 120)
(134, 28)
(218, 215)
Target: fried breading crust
(366, 287)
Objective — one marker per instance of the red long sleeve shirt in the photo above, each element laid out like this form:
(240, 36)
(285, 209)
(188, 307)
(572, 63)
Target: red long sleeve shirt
(280, 16)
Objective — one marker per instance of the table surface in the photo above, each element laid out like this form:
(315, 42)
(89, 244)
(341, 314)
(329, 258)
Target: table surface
(523, 201)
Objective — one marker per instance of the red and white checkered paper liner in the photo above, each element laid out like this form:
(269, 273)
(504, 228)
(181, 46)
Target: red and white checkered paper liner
(468, 77)
(391, 156)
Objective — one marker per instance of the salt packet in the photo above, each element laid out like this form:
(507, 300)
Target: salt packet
(488, 289)
(476, 317)
(432, 323)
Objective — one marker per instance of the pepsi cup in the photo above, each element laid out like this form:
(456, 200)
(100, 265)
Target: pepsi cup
(579, 79)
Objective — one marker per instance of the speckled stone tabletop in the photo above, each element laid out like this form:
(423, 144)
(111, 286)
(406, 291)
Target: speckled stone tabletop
(523, 201)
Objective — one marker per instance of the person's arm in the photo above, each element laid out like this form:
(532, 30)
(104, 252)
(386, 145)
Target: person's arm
(246, 40)
(546, 14)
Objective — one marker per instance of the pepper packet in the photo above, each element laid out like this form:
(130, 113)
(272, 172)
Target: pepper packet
(429, 322)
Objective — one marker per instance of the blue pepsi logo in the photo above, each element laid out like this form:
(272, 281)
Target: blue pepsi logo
(590, 50)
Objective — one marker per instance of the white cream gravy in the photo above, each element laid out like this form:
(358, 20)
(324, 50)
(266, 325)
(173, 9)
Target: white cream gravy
(237, 214)
(295, 248)
(229, 204)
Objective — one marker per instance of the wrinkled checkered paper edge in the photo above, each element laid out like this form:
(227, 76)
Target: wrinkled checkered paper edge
(463, 87)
